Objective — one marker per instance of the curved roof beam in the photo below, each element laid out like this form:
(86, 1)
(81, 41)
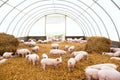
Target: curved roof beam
(11, 11)
(16, 16)
(97, 16)
(43, 14)
(118, 6)
(30, 26)
(20, 12)
(4, 2)
(25, 20)
(24, 16)
(86, 17)
(35, 20)
(110, 19)
(13, 30)
(101, 19)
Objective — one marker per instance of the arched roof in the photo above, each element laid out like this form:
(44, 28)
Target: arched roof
(95, 17)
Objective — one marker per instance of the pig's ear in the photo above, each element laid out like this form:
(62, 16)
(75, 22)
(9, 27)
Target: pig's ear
(57, 59)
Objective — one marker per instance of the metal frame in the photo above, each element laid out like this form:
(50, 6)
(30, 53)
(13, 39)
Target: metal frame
(74, 13)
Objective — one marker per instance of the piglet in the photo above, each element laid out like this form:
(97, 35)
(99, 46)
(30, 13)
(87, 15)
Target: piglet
(66, 47)
(44, 56)
(117, 54)
(71, 49)
(50, 61)
(7, 54)
(74, 53)
(99, 66)
(23, 52)
(33, 58)
(71, 64)
(81, 56)
(54, 46)
(57, 52)
(108, 53)
(35, 48)
(112, 49)
(108, 74)
(3, 61)
(115, 58)
(91, 73)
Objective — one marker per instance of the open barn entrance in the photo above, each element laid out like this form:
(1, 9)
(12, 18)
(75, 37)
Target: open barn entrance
(55, 27)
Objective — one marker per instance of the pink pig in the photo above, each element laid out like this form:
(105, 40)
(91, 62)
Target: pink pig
(91, 73)
(7, 54)
(108, 74)
(22, 52)
(71, 64)
(44, 55)
(32, 58)
(54, 46)
(115, 58)
(75, 53)
(35, 48)
(57, 52)
(99, 66)
(82, 56)
(50, 61)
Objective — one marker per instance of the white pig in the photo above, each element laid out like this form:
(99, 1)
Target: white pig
(71, 49)
(108, 53)
(31, 43)
(35, 48)
(22, 52)
(1, 57)
(71, 64)
(83, 56)
(32, 58)
(54, 46)
(99, 66)
(45, 56)
(57, 51)
(115, 58)
(66, 47)
(107, 67)
(3, 61)
(91, 73)
(21, 41)
(50, 61)
(117, 54)
(74, 53)
(107, 74)
(7, 54)
(112, 49)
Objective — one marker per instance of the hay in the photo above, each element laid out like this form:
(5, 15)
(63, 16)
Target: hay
(18, 68)
(98, 44)
(8, 43)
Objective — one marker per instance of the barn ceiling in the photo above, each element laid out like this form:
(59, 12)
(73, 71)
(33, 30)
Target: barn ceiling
(98, 17)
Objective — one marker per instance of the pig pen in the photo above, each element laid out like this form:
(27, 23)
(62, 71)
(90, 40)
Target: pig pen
(18, 68)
